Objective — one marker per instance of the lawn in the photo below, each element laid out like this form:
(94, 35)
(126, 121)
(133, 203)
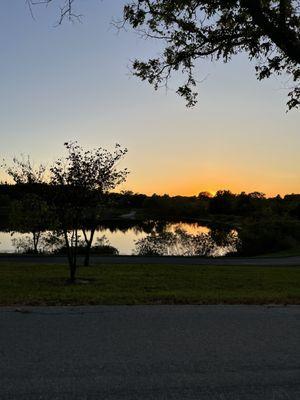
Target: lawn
(149, 284)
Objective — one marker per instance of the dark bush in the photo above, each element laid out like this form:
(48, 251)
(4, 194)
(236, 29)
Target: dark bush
(266, 236)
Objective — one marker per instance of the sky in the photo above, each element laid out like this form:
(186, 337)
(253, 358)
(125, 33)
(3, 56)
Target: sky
(73, 82)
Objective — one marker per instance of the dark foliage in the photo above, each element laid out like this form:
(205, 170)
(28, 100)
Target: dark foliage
(267, 236)
(267, 30)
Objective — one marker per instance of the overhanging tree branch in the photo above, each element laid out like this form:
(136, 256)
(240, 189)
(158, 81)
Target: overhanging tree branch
(285, 38)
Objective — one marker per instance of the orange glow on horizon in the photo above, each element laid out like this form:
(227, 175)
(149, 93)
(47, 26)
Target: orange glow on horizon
(194, 190)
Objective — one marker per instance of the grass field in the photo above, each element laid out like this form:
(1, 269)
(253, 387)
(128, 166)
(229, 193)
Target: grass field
(149, 284)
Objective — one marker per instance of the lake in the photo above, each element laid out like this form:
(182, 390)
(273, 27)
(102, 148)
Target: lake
(124, 237)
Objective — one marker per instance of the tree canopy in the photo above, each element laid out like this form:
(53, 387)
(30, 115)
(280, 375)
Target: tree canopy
(267, 30)
(82, 178)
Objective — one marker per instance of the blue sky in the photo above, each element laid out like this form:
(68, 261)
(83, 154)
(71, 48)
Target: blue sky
(73, 82)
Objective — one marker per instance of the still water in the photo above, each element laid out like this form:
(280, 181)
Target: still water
(122, 239)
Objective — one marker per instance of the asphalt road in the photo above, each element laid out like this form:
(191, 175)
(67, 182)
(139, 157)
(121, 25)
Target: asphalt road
(150, 353)
(166, 260)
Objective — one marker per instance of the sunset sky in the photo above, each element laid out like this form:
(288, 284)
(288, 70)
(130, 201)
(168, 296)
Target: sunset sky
(73, 82)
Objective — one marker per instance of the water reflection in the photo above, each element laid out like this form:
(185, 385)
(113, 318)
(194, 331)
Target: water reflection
(178, 242)
(170, 238)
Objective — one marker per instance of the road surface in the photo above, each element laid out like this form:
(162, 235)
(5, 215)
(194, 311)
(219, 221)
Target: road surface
(150, 353)
(167, 260)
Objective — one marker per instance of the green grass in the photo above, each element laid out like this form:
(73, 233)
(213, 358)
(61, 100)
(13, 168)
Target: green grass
(149, 284)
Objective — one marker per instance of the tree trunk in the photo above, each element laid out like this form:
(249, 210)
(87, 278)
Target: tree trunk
(89, 242)
(36, 237)
(71, 258)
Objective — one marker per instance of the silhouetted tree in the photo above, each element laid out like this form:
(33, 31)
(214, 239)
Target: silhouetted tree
(66, 9)
(24, 172)
(267, 30)
(30, 214)
(222, 202)
(204, 195)
(82, 179)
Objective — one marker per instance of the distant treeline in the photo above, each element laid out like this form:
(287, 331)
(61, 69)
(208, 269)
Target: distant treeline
(223, 203)
(140, 206)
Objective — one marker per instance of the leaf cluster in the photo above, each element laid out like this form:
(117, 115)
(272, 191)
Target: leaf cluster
(267, 30)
